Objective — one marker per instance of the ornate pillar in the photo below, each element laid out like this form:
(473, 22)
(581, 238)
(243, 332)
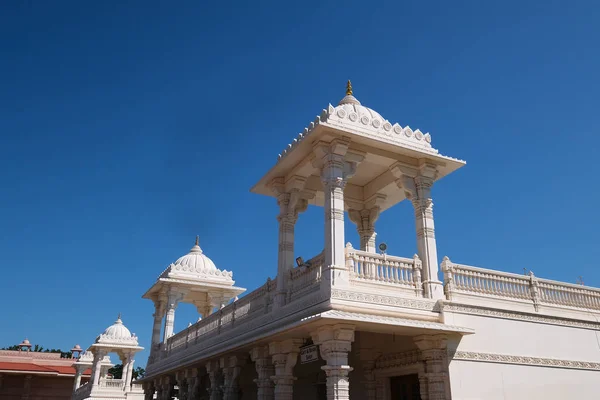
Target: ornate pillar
(365, 219)
(127, 362)
(182, 384)
(284, 356)
(292, 201)
(335, 342)
(337, 165)
(159, 312)
(417, 184)
(191, 377)
(96, 367)
(231, 367)
(265, 370)
(77, 383)
(435, 382)
(172, 301)
(214, 375)
(166, 388)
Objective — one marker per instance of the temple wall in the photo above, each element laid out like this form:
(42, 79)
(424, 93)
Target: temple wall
(519, 359)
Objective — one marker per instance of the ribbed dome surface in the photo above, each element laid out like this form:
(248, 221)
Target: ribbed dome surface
(117, 331)
(195, 260)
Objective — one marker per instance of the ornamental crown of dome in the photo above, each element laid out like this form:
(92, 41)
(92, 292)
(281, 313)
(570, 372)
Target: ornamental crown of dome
(117, 333)
(350, 104)
(196, 260)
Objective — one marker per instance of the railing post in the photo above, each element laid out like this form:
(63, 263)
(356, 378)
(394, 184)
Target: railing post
(350, 260)
(417, 266)
(535, 291)
(448, 277)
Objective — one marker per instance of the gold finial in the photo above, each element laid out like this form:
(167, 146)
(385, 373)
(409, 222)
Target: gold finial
(197, 238)
(349, 88)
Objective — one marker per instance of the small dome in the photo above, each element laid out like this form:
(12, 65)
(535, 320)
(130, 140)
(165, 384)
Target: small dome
(195, 260)
(350, 105)
(116, 331)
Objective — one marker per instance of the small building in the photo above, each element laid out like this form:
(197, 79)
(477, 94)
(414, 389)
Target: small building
(33, 375)
(355, 323)
(100, 386)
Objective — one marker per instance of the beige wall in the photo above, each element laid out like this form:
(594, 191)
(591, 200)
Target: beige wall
(518, 379)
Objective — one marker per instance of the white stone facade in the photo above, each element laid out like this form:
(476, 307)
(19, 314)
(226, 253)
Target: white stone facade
(352, 323)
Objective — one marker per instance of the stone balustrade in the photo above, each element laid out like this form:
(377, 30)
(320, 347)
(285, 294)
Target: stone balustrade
(112, 383)
(468, 280)
(373, 268)
(305, 278)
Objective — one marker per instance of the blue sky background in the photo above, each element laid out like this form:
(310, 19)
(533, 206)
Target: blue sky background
(127, 128)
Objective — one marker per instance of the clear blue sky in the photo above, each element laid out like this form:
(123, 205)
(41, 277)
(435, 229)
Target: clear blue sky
(127, 128)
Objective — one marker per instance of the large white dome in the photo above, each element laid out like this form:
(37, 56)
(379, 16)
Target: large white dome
(195, 260)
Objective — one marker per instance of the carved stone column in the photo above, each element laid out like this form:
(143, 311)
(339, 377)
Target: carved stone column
(284, 356)
(174, 297)
(365, 219)
(265, 370)
(127, 374)
(191, 377)
(291, 201)
(96, 367)
(337, 165)
(335, 342)
(159, 313)
(435, 380)
(232, 367)
(182, 384)
(166, 388)
(78, 372)
(417, 184)
(213, 369)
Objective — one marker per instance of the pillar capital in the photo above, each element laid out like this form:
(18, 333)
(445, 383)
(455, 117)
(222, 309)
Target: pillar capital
(284, 357)
(265, 370)
(335, 343)
(435, 380)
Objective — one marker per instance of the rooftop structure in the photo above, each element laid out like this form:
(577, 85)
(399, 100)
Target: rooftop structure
(354, 323)
(25, 373)
(115, 339)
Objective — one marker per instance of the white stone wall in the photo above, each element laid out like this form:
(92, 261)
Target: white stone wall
(486, 381)
(516, 359)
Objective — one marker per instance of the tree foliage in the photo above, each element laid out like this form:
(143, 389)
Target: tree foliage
(117, 372)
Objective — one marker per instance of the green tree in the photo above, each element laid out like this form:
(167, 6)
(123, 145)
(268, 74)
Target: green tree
(117, 372)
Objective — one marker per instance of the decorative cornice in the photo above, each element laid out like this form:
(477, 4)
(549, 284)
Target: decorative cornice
(524, 360)
(382, 319)
(490, 312)
(396, 360)
(385, 300)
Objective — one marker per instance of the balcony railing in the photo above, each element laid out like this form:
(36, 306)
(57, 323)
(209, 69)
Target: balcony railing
(112, 383)
(384, 269)
(466, 279)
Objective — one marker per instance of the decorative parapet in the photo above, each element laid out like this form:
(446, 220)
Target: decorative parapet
(376, 268)
(464, 279)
